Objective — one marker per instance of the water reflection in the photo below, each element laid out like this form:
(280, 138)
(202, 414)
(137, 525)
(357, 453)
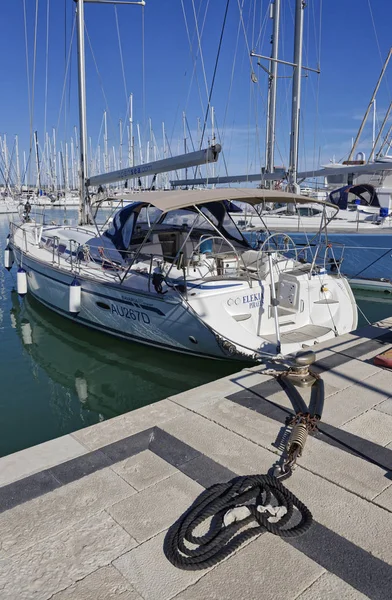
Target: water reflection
(108, 376)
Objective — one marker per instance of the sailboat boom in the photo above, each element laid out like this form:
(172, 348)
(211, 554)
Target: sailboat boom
(191, 159)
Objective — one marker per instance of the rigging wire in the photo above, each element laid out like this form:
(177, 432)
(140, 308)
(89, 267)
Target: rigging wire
(316, 116)
(66, 73)
(34, 66)
(231, 81)
(252, 94)
(46, 68)
(378, 44)
(370, 265)
(143, 71)
(99, 77)
(122, 65)
(69, 86)
(27, 62)
(65, 65)
(214, 73)
(200, 48)
(194, 57)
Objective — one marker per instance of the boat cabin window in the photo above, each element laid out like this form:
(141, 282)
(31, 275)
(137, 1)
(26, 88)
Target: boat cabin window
(176, 231)
(216, 213)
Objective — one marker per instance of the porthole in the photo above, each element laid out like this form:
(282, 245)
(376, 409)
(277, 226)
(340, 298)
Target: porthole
(103, 305)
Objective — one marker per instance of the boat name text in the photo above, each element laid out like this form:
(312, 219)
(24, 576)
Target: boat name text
(253, 300)
(130, 313)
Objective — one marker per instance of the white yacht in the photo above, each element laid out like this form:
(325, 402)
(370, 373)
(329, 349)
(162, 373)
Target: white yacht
(353, 208)
(172, 270)
(8, 205)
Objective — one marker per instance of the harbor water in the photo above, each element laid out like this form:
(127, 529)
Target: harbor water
(57, 376)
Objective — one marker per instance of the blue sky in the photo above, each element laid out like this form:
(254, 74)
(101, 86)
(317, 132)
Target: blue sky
(352, 51)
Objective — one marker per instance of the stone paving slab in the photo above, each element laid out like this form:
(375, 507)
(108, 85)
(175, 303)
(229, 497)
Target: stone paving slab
(57, 562)
(23, 463)
(85, 517)
(372, 425)
(351, 517)
(385, 498)
(104, 584)
(34, 521)
(248, 575)
(143, 470)
(330, 587)
(154, 509)
(99, 435)
(151, 574)
(385, 406)
(223, 446)
(207, 394)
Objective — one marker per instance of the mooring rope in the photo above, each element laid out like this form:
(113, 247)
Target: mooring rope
(230, 507)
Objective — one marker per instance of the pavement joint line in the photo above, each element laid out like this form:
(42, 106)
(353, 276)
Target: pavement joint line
(322, 545)
(252, 399)
(366, 410)
(298, 596)
(374, 499)
(276, 451)
(346, 560)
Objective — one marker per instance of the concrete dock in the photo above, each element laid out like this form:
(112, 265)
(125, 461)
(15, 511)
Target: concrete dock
(84, 516)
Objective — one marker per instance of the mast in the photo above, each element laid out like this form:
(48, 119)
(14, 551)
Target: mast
(185, 147)
(130, 131)
(24, 168)
(54, 159)
(379, 153)
(83, 208)
(17, 163)
(121, 146)
(272, 85)
(380, 132)
(296, 95)
(37, 160)
(370, 104)
(5, 150)
(105, 143)
(72, 164)
(213, 136)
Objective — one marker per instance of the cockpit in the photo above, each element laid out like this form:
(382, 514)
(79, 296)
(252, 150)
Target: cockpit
(142, 228)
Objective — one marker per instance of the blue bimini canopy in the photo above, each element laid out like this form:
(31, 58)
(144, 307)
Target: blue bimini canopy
(121, 230)
(364, 192)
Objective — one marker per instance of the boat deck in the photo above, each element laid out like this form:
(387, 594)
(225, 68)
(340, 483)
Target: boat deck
(84, 516)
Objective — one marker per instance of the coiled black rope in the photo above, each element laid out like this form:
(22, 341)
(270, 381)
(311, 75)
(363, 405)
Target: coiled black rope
(202, 551)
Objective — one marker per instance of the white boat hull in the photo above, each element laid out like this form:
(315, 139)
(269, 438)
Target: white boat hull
(126, 314)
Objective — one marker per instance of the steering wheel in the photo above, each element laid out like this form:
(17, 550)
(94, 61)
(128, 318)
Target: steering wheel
(282, 243)
(206, 238)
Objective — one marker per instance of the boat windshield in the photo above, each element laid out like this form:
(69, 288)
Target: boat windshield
(132, 223)
(217, 218)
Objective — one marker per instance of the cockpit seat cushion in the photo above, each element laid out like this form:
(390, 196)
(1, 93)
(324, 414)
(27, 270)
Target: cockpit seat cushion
(253, 262)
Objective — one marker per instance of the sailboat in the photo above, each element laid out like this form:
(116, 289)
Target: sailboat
(8, 205)
(173, 271)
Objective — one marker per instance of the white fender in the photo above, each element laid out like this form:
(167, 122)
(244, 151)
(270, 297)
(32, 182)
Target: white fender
(21, 282)
(75, 296)
(8, 258)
